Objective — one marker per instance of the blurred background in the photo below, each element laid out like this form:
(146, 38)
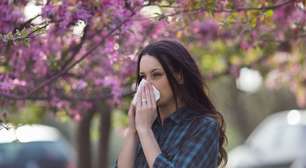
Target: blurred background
(67, 71)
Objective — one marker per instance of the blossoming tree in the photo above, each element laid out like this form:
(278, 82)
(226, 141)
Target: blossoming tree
(86, 72)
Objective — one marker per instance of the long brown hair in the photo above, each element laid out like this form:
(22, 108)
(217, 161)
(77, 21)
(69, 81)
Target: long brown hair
(175, 58)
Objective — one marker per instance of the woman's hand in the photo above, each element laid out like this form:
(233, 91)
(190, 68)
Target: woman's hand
(146, 112)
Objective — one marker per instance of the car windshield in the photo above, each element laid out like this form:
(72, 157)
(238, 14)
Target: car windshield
(41, 154)
(278, 136)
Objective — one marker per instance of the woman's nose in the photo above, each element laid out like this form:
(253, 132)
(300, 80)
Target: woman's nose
(149, 80)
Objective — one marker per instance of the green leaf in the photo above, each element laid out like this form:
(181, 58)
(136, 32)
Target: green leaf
(29, 114)
(269, 13)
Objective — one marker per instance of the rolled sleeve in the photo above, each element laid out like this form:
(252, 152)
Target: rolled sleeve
(199, 150)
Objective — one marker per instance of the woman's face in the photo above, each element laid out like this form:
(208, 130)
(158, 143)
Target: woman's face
(151, 70)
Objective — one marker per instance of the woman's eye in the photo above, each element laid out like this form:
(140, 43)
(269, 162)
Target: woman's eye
(156, 75)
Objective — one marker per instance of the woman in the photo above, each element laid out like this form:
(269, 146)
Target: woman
(183, 129)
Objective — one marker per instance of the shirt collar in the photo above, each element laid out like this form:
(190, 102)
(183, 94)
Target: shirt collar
(181, 114)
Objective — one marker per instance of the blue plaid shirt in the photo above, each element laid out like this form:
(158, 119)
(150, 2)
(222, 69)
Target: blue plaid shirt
(187, 139)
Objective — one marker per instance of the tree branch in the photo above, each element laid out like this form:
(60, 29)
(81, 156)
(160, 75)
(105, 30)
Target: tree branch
(127, 89)
(76, 49)
(201, 9)
(97, 96)
(55, 76)
(26, 23)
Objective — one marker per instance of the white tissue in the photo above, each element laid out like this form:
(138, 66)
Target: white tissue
(141, 84)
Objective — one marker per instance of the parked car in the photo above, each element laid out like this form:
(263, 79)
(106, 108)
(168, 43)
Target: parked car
(300, 162)
(278, 142)
(34, 146)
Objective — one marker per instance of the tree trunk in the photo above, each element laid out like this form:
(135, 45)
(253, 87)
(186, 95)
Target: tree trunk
(239, 112)
(104, 130)
(84, 158)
